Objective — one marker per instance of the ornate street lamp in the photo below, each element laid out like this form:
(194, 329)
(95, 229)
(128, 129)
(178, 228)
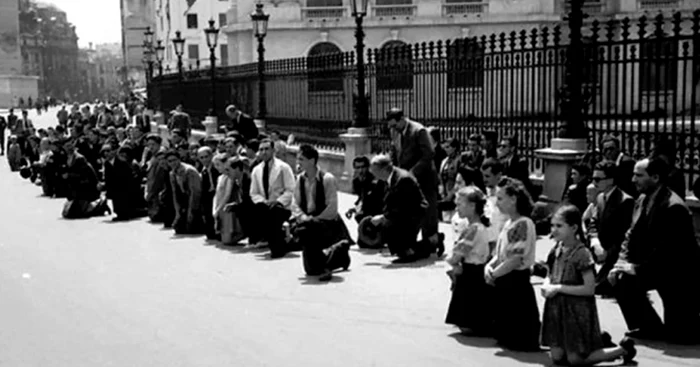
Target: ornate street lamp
(359, 11)
(212, 34)
(573, 125)
(148, 63)
(179, 45)
(260, 20)
(160, 54)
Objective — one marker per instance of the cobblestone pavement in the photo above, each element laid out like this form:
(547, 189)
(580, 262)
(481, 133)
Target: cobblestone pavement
(96, 293)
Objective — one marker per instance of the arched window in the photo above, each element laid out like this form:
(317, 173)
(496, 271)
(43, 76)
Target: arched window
(325, 68)
(394, 66)
(466, 58)
(659, 64)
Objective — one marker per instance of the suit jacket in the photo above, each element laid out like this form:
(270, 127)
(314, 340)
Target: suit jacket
(623, 179)
(517, 168)
(156, 177)
(186, 185)
(404, 200)
(245, 125)
(82, 179)
(416, 153)
(661, 243)
(281, 183)
(613, 217)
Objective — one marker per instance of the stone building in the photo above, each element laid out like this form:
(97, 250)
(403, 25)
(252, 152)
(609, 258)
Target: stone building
(13, 82)
(49, 49)
(136, 16)
(100, 68)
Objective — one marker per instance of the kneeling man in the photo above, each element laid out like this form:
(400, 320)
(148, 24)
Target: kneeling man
(404, 208)
(318, 227)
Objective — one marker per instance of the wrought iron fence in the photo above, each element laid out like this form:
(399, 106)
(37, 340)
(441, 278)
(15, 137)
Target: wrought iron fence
(641, 82)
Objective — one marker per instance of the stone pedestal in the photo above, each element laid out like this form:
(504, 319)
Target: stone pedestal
(357, 143)
(558, 160)
(156, 120)
(210, 125)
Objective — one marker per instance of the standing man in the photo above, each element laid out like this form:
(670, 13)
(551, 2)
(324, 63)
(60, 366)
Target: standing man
(414, 152)
(514, 166)
(613, 216)
(660, 252)
(3, 126)
(23, 129)
(241, 122)
(62, 116)
(271, 189)
(209, 181)
(625, 165)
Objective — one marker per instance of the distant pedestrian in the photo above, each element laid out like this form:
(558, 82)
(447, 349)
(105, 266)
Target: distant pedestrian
(241, 122)
(570, 325)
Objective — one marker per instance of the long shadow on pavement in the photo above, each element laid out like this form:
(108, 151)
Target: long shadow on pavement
(313, 280)
(675, 350)
(540, 358)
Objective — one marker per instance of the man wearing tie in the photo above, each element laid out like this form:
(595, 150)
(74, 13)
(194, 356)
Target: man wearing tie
(209, 177)
(271, 190)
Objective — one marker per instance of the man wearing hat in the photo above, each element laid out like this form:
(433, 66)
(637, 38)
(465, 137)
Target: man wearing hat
(413, 151)
(241, 122)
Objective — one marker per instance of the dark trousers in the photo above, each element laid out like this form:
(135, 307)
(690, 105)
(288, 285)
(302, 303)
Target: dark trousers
(267, 225)
(602, 284)
(681, 311)
(209, 223)
(429, 226)
(320, 248)
(402, 235)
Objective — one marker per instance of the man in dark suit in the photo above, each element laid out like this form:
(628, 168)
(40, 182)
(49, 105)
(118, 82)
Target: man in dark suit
(241, 122)
(514, 165)
(209, 180)
(612, 219)
(404, 209)
(659, 252)
(413, 151)
(625, 165)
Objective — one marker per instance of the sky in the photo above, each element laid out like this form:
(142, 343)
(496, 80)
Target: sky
(96, 21)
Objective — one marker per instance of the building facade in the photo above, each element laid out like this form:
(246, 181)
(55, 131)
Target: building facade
(49, 49)
(136, 16)
(13, 83)
(100, 68)
(191, 18)
(308, 27)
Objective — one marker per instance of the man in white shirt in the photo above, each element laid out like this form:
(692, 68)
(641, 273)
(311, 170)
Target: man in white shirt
(318, 226)
(271, 190)
(492, 171)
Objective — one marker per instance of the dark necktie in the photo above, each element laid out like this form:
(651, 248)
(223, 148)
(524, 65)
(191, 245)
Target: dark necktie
(266, 179)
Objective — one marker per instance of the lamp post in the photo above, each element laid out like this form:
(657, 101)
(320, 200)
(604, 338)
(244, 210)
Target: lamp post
(359, 11)
(212, 34)
(148, 61)
(179, 45)
(573, 125)
(160, 53)
(260, 20)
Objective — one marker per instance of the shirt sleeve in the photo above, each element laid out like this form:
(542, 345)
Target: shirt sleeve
(583, 260)
(330, 188)
(518, 240)
(296, 199)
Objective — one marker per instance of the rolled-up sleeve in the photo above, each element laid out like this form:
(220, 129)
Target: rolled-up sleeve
(330, 188)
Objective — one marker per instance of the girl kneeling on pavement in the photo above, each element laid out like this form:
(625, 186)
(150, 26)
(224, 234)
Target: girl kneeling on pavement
(570, 325)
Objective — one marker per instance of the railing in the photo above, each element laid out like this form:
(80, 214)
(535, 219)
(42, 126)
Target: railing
(323, 12)
(466, 7)
(393, 10)
(658, 4)
(641, 82)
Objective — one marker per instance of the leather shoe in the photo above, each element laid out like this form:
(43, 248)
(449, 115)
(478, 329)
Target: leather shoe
(644, 335)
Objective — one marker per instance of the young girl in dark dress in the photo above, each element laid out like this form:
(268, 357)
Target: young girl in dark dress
(570, 325)
(471, 297)
(516, 316)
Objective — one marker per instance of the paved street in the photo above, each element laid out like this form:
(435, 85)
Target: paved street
(95, 293)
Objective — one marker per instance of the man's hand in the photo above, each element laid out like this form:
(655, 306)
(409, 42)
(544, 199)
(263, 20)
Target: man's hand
(378, 220)
(230, 207)
(625, 267)
(350, 213)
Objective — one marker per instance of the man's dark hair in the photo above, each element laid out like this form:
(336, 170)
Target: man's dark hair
(237, 162)
(612, 139)
(361, 159)
(267, 141)
(435, 134)
(658, 167)
(308, 152)
(494, 164)
(608, 168)
(454, 143)
(476, 137)
(171, 153)
(156, 138)
(253, 144)
(582, 169)
(394, 114)
(512, 141)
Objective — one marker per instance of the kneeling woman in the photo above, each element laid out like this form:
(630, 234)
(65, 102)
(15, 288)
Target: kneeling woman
(516, 318)
(470, 306)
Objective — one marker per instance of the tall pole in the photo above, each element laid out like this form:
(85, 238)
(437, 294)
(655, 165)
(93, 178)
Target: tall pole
(212, 62)
(362, 113)
(262, 98)
(572, 104)
(180, 79)
(149, 85)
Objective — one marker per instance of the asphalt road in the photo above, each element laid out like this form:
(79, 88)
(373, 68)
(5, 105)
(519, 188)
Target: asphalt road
(95, 293)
